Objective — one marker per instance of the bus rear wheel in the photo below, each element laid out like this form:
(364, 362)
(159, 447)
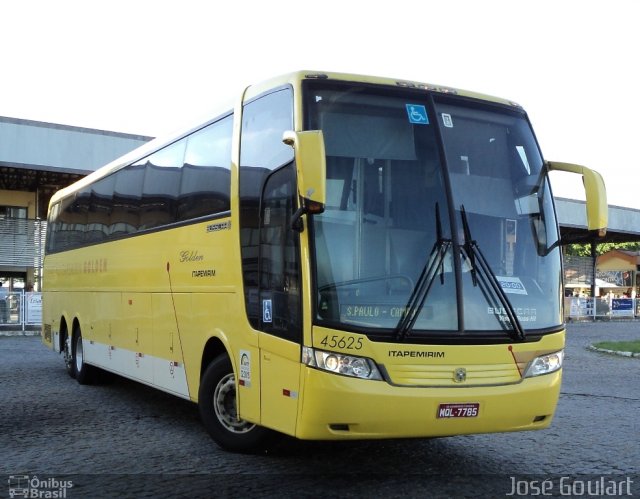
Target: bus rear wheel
(67, 355)
(218, 411)
(84, 373)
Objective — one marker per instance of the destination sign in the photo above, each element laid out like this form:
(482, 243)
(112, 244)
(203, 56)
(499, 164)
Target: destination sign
(371, 311)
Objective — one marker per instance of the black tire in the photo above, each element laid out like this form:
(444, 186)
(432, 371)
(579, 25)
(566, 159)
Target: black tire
(67, 354)
(217, 405)
(84, 373)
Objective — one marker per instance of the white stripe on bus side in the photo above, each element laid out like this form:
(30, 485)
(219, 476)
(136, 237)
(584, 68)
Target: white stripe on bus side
(167, 375)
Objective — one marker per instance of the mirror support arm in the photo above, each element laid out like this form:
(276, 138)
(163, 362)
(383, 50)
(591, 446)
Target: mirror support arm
(297, 223)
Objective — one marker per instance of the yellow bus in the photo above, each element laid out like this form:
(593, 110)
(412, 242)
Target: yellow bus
(333, 256)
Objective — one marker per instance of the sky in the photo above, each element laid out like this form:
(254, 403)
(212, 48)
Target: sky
(152, 67)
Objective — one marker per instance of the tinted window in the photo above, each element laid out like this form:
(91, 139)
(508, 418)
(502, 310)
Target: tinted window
(185, 180)
(261, 151)
(263, 122)
(279, 257)
(161, 186)
(205, 184)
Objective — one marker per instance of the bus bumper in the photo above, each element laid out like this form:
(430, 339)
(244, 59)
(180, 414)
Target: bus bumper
(337, 407)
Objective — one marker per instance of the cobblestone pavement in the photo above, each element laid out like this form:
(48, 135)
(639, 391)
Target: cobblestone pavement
(122, 439)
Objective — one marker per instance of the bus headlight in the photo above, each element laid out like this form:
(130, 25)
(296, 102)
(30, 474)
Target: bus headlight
(545, 364)
(340, 363)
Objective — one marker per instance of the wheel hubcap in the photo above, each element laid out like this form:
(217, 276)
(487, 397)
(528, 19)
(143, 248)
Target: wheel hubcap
(224, 404)
(68, 359)
(79, 355)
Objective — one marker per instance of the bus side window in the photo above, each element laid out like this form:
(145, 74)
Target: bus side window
(160, 186)
(126, 200)
(205, 185)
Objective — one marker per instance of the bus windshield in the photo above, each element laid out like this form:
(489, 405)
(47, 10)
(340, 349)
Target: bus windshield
(439, 218)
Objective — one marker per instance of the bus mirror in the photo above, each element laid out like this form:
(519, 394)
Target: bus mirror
(596, 194)
(311, 168)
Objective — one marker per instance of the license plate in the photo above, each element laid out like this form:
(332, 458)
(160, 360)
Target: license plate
(467, 410)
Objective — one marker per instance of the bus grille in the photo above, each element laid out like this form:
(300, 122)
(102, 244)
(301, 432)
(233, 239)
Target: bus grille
(450, 375)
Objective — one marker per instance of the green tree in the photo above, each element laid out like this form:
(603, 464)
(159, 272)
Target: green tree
(585, 249)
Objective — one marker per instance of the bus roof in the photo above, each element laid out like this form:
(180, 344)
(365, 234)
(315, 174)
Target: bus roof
(298, 76)
(254, 90)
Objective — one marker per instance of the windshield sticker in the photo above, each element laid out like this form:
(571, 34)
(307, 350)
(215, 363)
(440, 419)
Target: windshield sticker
(267, 308)
(417, 114)
(512, 285)
(523, 314)
(447, 120)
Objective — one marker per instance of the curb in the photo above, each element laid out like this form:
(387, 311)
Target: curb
(613, 352)
(19, 333)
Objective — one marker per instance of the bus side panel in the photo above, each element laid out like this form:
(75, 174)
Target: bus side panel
(53, 315)
(49, 328)
(148, 305)
(217, 315)
(170, 322)
(280, 383)
(130, 322)
(50, 322)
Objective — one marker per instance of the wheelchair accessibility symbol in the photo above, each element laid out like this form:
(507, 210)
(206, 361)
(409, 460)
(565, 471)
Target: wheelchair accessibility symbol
(267, 311)
(417, 114)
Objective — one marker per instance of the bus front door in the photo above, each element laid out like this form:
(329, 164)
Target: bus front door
(280, 303)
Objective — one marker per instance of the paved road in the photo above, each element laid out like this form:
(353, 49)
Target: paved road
(123, 439)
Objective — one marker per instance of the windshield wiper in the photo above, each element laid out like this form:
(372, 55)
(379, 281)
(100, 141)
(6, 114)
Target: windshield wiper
(432, 268)
(487, 279)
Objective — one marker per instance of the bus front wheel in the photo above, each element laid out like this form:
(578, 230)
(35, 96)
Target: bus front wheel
(218, 411)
